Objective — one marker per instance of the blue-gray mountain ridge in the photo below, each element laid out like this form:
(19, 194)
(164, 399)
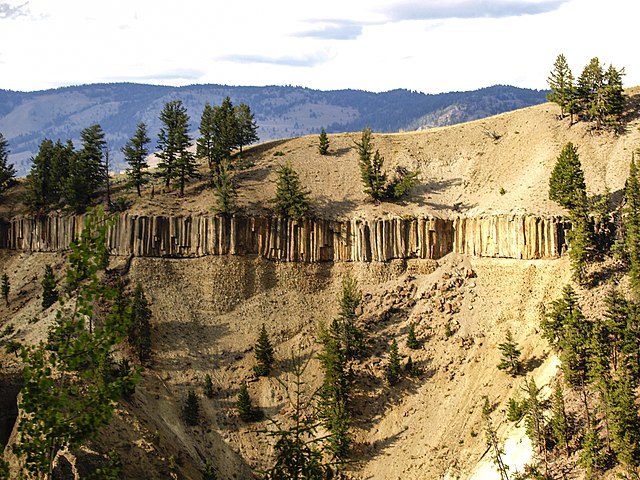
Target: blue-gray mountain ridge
(26, 118)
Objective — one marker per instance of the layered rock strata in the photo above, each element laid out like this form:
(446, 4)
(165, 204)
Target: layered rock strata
(309, 240)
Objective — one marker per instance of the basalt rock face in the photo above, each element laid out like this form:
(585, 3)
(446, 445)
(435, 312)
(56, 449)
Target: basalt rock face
(309, 240)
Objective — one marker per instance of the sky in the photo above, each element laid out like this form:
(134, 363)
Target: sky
(430, 46)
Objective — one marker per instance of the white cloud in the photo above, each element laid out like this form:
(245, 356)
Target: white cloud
(426, 45)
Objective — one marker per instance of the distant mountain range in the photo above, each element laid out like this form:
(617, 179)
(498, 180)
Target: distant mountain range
(280, 111)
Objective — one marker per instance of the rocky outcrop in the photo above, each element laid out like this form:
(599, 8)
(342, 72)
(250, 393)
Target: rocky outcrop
(309, 240)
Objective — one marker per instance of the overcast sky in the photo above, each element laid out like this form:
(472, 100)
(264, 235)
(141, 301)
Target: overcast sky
(426, 45)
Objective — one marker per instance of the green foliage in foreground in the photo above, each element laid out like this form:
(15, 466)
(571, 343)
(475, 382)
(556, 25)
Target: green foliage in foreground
(70, 385)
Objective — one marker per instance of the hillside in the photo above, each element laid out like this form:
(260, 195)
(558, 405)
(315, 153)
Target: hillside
(207, 310)
(281, 112)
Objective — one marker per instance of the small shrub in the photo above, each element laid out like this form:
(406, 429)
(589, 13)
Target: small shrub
(516, 410)
(412, 368)
(208, 386)
(448, 331)
(7, 331)
(412, 340)
(245, 409)
(278, 154)
(208, 472)
(393, 365)
(502, 191)
(12, 346)
(264, 354)
(191, 410)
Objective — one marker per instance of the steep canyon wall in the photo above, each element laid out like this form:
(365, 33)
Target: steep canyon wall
(309, 240)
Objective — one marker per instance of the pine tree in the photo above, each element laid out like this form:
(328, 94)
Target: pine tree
(335, 389)
(613, 98)
(348, 303)
(225, 190)
(208, 386)
(591, 457)
(323, 143)
(567, 188)
(206, 143)
(245, 409)
(7, 170)
(394, 371)
(49, 291)
(300, 453)
(177, 162)
(412, 340)
(625, 422)
(561, 85)
(226, 131)
(535, 420)
(87, 170)
(6, 288)
(49, 178)
(559, 422)
(191, 409)
(290, 200)
(589, 91)
(135, 154)
(373, 177)
(264, 354)
(632, 223)
(510, 355)
(493, 444)
(616, 321)
(140, 328)
(566, 185)
(247, 129)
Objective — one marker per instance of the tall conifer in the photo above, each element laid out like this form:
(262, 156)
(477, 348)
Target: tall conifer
(135, 154)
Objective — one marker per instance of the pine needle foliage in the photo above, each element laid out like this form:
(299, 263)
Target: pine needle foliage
(191, 409)
(7, 170)
(291, 199)
(135, 154)
(348, 303)
(412, 340)
(140, 330)
(245, 408)
(496, 449)
(374, 178)
(568, 189)
(632, 223)
(323, 143)
(300, 453)
(264, 354)
(49, 290)
(394, 370)
(207, 386)
(225, 190)
(510, 355)
(5, 288)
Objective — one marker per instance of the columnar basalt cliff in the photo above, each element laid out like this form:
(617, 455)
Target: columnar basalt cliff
(309, 240)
